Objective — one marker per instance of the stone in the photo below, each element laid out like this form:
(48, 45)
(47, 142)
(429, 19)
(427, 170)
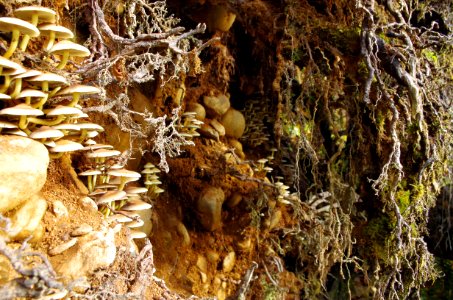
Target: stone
(23, 170)
(93, 251)
(216, 105)
(59, 209)
(82, 230)
(209, 206)
(229, 261)
(27, 219)
(202, 263)
(209, 132)
(218, 127)
(234, 123)
(198, 109)
(63, 247)
(220, 18)
(234, 200)
(237, 147)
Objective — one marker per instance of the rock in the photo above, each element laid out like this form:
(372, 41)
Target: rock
(27, 219)
(216, 105)
(234, 123)
(93, 251)
(82, 230)
(197, 108)
(209, 132)
(23, 170)
(202, 263)
(234, 200)
(89, 203)
(209, 206)
(229, 261)
(218, 127)
(63, 247)
(237, 147)
(59, 209)
(220, 18)
(212, 256)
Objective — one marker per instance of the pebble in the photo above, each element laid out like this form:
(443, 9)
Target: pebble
(202, 263)
(218, 127)
(209, 206)
(212, 256)
(88, 203)
(229, 261)
(63, 247)
(234, 123)
(217, 105)
(82, 230)
(209, 132)
(59, 209)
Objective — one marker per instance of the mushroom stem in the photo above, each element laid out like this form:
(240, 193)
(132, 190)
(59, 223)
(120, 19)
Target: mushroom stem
(40, 103)
(17, 88)
(53, 122)
(75, 99)
(64, 60)
(26, 38)
(23, 122)
(12, 44)
(6, 84)
(50, 41)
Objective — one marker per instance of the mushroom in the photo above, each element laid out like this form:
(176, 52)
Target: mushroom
(45, 132)
(16, 27)
(125, 175)
(92, 178)
(4, 97)
(60, 113)
(135, 205)
(48, 80)
(22, 110)
(18, 81)
(76, 91)
(6, 125)
(63, 146)
(111, 197)
(34, 15)
(67, 49)
(85, 128)
(29, 93)
(53, 32)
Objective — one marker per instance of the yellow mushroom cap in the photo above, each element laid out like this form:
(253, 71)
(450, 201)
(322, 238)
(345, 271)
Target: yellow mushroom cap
(60, 31)
(79, 89)
(44, 14)
(21, 110)
(72, 48)
(66, 146)
(46, 132)
(8, 24)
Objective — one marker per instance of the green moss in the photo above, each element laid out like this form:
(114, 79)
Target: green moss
(378, 230)
(404, 199)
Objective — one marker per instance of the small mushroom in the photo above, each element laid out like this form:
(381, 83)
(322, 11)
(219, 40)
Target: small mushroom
(16, 27)
(28, 94)
(8, 75)
(44, 133)
(92, 178)
(49, 80)
(18, 81)
(60, 113)
(67, 49)
(34, 15)
(125, 175)
(53, 32)
(23, 111)
(64, 146)
(76, 91)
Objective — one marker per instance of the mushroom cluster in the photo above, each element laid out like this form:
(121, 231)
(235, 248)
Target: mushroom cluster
(188, 125)
(60, 124)
(256, 116)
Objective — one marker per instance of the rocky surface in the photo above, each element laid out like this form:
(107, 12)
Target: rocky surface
(24, 169)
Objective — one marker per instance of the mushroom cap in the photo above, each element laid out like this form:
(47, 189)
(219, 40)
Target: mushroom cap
(65, 146)
(103, 153)
(51, 78)
(5, 124)
(46, 132)
(63, 110)
(124, 173)
(90, 172)
(150, 171)
(135, 234)
(28, 73)
(79, 89)
(118, 218)
(44, 14)
(135, 205)
(67, 126)
(31, 93)
(4, 97)
(135, 223)
(21, 110)
(71, 47)
(135, 190)
(16, 132)
(90, 126)
(60, 31)
(111, 196)
(8, 24)
(97, 147)
(9, 66)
